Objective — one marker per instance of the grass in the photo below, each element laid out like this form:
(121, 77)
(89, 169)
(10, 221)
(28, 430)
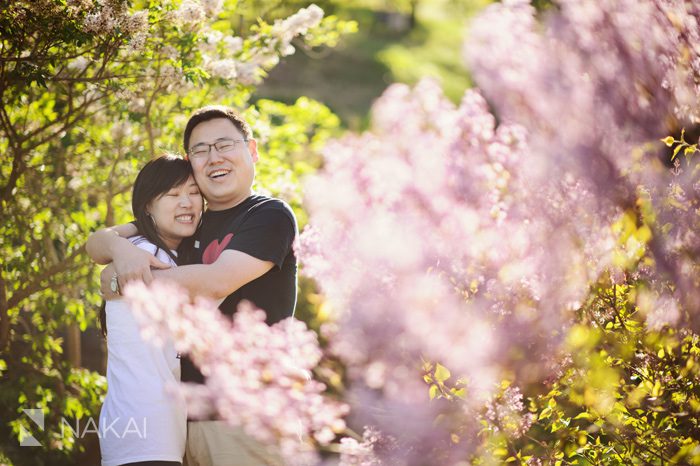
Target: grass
(350, 77)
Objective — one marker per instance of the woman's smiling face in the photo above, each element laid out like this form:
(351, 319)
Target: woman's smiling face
(176, 213)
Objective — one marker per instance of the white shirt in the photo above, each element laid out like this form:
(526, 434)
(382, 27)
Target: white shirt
(140, 420)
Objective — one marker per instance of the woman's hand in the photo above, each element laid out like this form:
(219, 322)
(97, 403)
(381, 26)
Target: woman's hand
(106, 284)
(128, 261)
(133, 263)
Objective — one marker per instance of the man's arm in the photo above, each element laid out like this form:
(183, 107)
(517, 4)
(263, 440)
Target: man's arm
(130, 262)
(261, 243)
(230, 271)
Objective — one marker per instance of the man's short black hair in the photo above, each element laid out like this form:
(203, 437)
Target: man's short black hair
(212, 112)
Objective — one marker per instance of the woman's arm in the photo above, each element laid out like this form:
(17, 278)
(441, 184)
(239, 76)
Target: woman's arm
(102, 244)
(129, 262)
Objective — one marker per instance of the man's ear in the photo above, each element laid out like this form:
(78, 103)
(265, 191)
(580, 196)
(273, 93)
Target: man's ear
(253, 149)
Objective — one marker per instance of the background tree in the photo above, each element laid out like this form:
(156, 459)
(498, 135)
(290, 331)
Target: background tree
(90, 91)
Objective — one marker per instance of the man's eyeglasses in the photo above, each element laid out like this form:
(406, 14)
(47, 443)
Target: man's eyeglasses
(203, 149)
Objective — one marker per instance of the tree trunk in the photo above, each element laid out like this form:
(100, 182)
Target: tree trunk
(4, 317)
(73, 344)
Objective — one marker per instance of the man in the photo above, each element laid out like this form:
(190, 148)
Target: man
(243, 251)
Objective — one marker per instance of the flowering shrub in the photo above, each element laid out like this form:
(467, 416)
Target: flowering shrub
(599, 126)
(546, 261)
(258, 376)
(440, 202)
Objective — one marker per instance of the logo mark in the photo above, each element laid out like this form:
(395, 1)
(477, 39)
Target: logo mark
(37, 417)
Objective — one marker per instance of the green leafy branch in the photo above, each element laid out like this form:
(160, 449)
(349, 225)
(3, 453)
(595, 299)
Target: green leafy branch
(681, 144)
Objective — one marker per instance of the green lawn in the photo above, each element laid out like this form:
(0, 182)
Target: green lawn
(350, 77)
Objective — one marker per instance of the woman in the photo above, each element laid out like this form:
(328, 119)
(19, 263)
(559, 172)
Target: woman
(141, 423)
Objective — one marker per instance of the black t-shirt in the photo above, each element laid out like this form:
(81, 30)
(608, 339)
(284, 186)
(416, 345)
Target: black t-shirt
(261, 227)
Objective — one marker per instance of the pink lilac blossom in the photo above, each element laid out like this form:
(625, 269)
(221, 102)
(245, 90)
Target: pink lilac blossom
(507, 413)
(355, 453)
(258, 376)
(594, 86)
(431, 239)
(440, 235)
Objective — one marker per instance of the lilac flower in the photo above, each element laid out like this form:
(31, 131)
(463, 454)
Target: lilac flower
(595, 85)
(258, 376)
(428, 235)
(354, 453)
(506, 413)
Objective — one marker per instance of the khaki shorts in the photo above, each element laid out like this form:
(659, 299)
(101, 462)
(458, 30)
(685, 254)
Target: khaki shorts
(215, 443)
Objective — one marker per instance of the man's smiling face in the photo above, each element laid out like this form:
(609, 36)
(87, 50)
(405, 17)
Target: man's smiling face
(224, 177)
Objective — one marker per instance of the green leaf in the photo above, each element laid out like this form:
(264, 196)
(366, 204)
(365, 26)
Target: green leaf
(668, 140)
(441, 373)
(676, 151)
(433, 391)
(545, 413)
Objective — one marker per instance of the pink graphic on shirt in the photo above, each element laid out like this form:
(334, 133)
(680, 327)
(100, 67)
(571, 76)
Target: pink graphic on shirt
(213, 251)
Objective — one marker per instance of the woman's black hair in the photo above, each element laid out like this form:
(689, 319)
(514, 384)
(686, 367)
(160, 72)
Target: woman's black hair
(155, 179)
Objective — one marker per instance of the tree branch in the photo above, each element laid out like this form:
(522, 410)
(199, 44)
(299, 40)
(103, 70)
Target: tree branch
(34, 284)
(62, 118)
(18, 167)
(70, 124)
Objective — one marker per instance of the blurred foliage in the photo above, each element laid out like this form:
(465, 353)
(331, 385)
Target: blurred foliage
(392, 45)
(80, 115)
(623, 391)
(432, 47)
(627, 395)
